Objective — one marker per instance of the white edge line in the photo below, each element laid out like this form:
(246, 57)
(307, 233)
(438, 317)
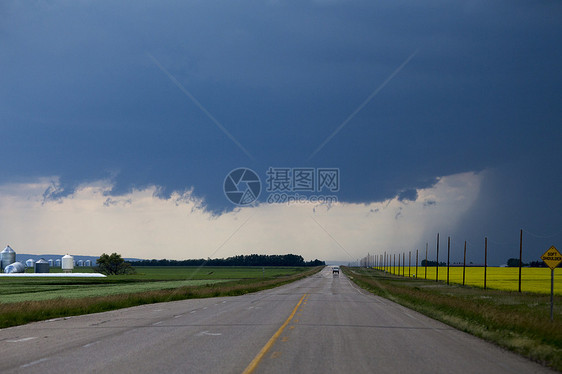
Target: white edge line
(34, 363)
(21, 340)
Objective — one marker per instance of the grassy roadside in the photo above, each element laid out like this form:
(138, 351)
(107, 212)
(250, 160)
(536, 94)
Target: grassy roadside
(519, 322)
(19, 313)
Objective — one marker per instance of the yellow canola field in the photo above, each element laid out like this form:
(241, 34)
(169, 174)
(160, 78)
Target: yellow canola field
(501, 278)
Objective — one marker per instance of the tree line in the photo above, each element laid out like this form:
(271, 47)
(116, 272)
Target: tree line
(432, 263)
(240, 260)
(514, 262)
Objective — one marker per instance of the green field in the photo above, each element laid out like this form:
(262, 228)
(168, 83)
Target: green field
(210, 272)
(146, 279)
(499, 278)
(24, 300)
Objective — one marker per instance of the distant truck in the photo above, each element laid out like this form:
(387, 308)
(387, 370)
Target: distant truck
(335, 270)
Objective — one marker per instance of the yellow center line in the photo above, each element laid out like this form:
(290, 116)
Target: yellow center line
(255, 362)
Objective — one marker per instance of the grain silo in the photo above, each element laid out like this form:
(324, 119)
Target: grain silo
(30, 263)
(16, 267)
(67, 263)
(7, 256)
(42, 266)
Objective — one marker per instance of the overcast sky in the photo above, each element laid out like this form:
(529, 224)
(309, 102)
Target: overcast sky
(119, 122)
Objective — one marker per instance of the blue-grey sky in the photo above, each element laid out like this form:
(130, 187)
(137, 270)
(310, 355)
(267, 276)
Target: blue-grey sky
(125, 91)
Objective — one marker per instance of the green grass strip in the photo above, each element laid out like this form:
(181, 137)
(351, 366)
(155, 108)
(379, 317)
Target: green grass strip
(18, 313)
(81, 291)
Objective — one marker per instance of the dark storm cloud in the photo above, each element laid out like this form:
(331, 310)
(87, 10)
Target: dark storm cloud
(81, 99)
(515, 196)
(408, 195)
(429, 203)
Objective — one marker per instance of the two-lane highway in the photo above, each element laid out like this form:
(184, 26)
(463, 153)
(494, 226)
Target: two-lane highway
(320, 324)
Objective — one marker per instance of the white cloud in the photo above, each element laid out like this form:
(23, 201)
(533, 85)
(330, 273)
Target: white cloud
(91, 221)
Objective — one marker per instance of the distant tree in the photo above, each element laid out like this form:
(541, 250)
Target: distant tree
(541, 264)
(514, 262)
(432, 263)
(316, 262)
(113, 264)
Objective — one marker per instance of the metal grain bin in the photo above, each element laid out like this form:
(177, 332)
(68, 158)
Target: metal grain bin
(67, 263)
(42, 266)
(7, 256)
(16, 267)
(30, 263)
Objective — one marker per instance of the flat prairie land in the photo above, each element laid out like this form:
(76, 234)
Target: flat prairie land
(24, 300)
(149, 278)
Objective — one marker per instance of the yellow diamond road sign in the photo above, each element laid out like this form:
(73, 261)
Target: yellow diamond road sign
(552, 257)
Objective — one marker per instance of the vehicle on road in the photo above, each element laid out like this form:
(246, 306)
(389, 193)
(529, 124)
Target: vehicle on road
(335, 270)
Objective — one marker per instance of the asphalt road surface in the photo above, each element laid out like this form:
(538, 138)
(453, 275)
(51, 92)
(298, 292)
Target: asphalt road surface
(322, 324)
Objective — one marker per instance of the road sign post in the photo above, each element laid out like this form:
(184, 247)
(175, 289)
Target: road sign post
(552, 294)
(552, 258)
